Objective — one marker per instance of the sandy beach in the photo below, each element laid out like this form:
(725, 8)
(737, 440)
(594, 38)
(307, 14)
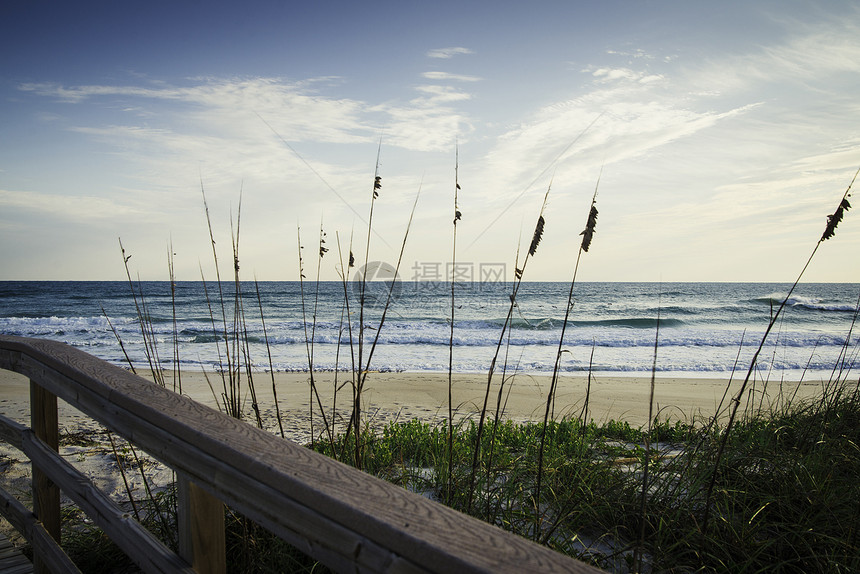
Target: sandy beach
(387, 397)
(404, 396)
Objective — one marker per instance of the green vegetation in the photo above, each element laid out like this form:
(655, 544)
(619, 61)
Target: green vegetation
(750, 490)
(786, 496)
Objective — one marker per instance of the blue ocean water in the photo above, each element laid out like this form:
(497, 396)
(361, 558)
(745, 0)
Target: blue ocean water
(705, 328)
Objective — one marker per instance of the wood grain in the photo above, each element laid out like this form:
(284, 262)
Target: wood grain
(46, 494)
(201, 529)
(25, 522)
(138, 543)
(11, 559)
(343, 517)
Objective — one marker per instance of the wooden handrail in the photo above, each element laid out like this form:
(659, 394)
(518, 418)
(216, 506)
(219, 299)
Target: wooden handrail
(341, 516)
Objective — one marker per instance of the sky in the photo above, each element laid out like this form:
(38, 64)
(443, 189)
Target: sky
(717, 135)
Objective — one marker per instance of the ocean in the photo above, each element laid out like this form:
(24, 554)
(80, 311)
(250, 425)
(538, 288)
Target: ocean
(705, 329)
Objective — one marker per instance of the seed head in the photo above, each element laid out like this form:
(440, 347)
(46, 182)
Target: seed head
(588, 232)
(537, 236)
(833, 220)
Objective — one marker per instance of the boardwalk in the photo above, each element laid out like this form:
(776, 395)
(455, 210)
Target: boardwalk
(11, 559)
(335, 513)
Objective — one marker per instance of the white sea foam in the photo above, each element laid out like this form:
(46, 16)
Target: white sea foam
(703, 327)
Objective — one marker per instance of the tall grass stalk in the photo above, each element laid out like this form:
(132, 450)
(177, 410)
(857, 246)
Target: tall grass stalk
(151, 352)
(309, 337)
(457, 216)
(344, 275)
(235, 330)
(119, 340)
(344, 318)
(147, 333)
(240, 327)
(365, 369)
(271, 365)
(220, 400)
(230, 405)
(518, 275)
(321, 253)
(583, 414)
(829, 231)
(646, 464)
(359, 379)
(587, 234)
(177, 372)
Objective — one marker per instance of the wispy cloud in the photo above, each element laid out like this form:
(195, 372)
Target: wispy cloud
(429, 122)
(637, 53)
(76, 94)
(446, 53)
(71, 207)
(440, 94)
(809, 58)
(172, 135)
(693, 150)
(611, 74)
(301, 112)
(441, 76)
(226, 111)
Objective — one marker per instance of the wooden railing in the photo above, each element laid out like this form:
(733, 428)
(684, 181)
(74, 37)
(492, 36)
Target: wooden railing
(338, 515)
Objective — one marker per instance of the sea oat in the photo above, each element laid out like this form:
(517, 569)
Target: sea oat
(833, 220)
(537, 236)
(588, 232)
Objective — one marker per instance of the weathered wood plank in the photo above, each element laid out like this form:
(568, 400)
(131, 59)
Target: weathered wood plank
(11, 431)
(335, 545)
(49, 552)
(138, 543)
(13, 561)
(344, 517)
(18, 515)
(15, 565)
(25, 522)
(201, 529)
(46, 495)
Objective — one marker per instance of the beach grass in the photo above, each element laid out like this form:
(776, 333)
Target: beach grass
(786, 495)
(756, 489)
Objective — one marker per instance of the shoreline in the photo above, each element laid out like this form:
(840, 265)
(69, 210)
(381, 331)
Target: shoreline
(406, 395)
(387, 397)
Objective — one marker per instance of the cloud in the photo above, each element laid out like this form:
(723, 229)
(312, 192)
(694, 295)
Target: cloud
(220, 132)
(446, 53)
(637, 53)
(440, 94)
(811, 57)
(628, 128)
(225, 114)
(447, 76)
(693, 150)
(300, 112)
(78, 94)
(427, 124)
(612, 74)
(701, 152)
(71, 207)
(824, 52)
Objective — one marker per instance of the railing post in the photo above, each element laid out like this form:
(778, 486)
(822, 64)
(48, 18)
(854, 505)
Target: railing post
(46, 495)
(201, 529)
